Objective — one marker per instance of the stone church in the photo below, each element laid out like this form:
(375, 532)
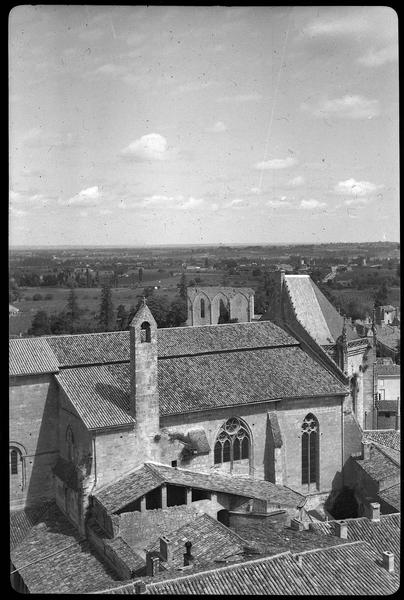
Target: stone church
(212, 305)
(241, 399)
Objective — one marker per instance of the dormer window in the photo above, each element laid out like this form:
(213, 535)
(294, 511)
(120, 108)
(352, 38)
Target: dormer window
(145, 332)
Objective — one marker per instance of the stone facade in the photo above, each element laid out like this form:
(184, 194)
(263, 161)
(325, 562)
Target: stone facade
(206, 305)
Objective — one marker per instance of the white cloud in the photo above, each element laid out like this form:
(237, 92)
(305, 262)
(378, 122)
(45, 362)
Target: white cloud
(278, 203)
(349, 107)
(88, 197)
(255, 190)
(178, 202)
(218, 127)
(276, 163)
(151, 146)
(235, 203)
(192, 86)
(375, 58)
(105, 211)
(111, 69)
(351, 187)
(311, 204)
(30, 199)
(296, 181)
(356, 201)
(191, 203)
(17, 212)
(241, 98)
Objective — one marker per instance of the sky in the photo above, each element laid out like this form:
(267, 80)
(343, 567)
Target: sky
(134, 125)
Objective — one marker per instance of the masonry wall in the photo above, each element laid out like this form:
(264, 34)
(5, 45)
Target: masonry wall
(291, 414)
(33, 427)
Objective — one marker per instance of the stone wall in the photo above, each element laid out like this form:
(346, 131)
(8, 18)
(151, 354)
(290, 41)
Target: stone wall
(33, 429)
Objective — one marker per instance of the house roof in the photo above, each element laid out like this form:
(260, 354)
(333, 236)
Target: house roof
(28, 356)
(53, 559)
(211, 541)
(315, 312)
(379, 466)
(387, 370)
(101, 394)
(392, 496)
(382, 535)
(353, 569)
(212, 291)
(22, 521)
(388, 335)
(151, 475)
(384, 437)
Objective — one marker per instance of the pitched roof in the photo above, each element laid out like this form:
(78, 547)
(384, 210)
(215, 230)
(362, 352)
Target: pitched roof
(387, 370)
(98, 394)
(101, 394)
(388, 335)
(151, 475)
(384, 437)
(352, 568)
(53, 559)
(378, 465)
(31, 356)
(274, 575)
(241, 377)
(211, 541)
(392, 496)
(315, 312)
(212, 291)
(382, 535)
(22, 521)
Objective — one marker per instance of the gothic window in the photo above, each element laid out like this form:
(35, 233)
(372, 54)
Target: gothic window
(202, 308)
(70, 443)
(310, 450)
(145, 333)
(17, 473)
(232, 443)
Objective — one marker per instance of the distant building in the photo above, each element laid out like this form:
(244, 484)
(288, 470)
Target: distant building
(212, 305)
(387, 394)
(13, 311)
(387, 315)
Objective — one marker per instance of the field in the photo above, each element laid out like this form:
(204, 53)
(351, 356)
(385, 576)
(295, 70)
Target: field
(366, 297)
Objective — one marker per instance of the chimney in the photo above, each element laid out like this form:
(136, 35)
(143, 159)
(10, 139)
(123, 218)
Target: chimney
(299, 560)
(296, 524)
(140, 587)
(152, 564)
(365, 451)
(373, 511)
(341, 529)
(166, 549)
(388, 561)
(188, 558)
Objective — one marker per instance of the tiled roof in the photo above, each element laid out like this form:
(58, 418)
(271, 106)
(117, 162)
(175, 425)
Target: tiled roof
(100, 393)
(211, 541)
(378, 466)
(31, 356)
(388, 335)
(274, 575)
(382, 535)
(139, 528)
(52, 559)
(97, 395)
(90, 348)
(22, 521)
(127, 489)
(129, 557)
(315, 312)
(241, 377)
(384, 437)
(347, 569)
(387, 370)
(212, 291)
(353, 569)
(392, 496)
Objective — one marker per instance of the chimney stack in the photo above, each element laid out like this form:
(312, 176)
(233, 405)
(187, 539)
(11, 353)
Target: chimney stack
(152, 564)
(166, 549)
(373, 511)
(140, 587)
(388, 561)
(188, 558)
(341, 529)
(365, 451)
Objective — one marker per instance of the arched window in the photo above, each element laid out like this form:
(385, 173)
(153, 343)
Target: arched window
(310, 450)
(232, 443)
(145, 333)
(70, 443)
(15, 459)
(202, 308)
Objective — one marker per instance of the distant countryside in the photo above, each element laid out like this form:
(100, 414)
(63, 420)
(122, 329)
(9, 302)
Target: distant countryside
(75, 290)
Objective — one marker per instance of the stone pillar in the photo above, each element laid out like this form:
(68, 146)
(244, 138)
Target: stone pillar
(189, 496)
(164, 496)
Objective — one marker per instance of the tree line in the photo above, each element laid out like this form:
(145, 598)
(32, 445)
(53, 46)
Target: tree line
(72, 318)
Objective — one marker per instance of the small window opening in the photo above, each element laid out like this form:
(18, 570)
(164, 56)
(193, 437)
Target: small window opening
(202, 308)
(146, 336)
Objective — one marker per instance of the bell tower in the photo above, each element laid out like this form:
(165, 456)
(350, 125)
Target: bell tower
(144, 395)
